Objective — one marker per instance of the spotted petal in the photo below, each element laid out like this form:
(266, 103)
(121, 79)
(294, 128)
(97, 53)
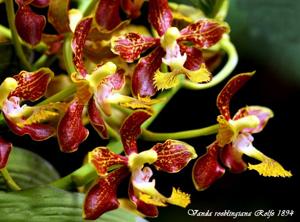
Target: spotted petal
(207, 168)
(160, 15)
(142, 79)
(173, 155)
(96, 119)
(232, 86)
(29, 25)
(102, 197)
(102, 158)
(194, 57)
(131, 45)
(204, 33)
(5, 148)
(32, 85)
(262, 113)
(107, 14)
(78, 43)
(37, 131)
(131, 129)
(71, 131)
(58, 15)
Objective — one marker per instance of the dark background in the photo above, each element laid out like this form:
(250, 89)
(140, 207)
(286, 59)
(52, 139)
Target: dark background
(266, 35)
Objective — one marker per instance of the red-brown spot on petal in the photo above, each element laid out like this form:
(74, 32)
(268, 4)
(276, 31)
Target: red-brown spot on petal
(131, 45)
(107, 14)
(207, 168)
(5, 148)
(232, 158)
(160, 15)
(173, 156)
(131, 129)
(32, 85)
(78, 43)
(142, 79)
(71, 131)
(102, 158)
(204, 33)
(58, 15)
(146, 209)
(232, 86)
(29, 25)
(102, 197)
(97, 120)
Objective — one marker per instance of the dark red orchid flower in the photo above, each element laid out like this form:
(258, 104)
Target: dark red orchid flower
(170, 156)
(30, 25)
(234, 139)
(21, 118)
(179, 50)
(5, 148)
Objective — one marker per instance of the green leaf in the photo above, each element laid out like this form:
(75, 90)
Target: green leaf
(28, 169)
(44, 204)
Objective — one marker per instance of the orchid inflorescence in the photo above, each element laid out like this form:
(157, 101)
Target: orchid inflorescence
(118, 77)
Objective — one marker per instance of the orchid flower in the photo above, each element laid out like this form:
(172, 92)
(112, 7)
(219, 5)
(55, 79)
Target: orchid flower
(234, 140)
(170, 156)
(5, 149)
(36, 121)
(179, 50)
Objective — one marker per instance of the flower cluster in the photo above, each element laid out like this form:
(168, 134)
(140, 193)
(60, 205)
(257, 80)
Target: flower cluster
(118, 77)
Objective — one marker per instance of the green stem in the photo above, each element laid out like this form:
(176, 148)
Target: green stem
(40, 62)
(68, 55)
(187, 134)
(79, 177)
(15, 38)
(229, 48)
(9, 180)
(5, 32)
(2, 120)
(165, 97)
(60, 95)
(87, 6)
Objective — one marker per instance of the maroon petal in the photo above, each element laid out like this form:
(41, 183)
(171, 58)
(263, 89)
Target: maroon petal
(160, 15)
(40, 3)
(232, 158)
(142, 79)
(54, 43)
(78, 43)
(102, 158)
(207, 168)
(232, 86)
(146, 209)
(204, 33)
(107, 14)
(29, 25)
(131, 45)
(58, 15)
(102, 197)
(71, 131)
(131, 129)
(194, 57)
(32, 85)
(262, 113)
(23, 2)
(36, 131)
(132, 7)
(5, 148)
(96, 119)
(173, 156)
